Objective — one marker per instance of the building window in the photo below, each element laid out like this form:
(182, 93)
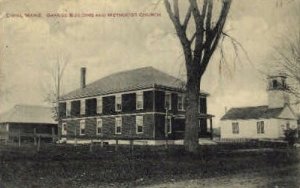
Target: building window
(275, 84)
(168, 126)
(168, 101)
(235, 128)
(64, 129)
(82, 127)
(118, 106)
(68, 109)
(288, 125)
(139, 100)
(260, 127)
(99, 105)
(118, 125)
(139, 124)
(99, 127)
(82, 107)
(180, 104)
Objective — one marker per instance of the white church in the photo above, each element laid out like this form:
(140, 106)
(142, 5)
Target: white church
(262, 122)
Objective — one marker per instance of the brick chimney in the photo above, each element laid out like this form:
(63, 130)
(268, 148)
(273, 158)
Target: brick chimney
(82, 77)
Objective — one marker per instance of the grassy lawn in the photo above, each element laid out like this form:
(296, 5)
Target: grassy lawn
(70, 166)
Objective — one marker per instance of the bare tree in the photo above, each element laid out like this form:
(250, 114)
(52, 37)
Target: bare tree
(287, 57)
(287, 53)
(198, 50)
(54, 88)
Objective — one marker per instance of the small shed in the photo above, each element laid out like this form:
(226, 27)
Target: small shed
(28, 122)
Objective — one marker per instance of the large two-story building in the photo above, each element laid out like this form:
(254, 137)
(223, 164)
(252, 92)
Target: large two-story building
(142, 104)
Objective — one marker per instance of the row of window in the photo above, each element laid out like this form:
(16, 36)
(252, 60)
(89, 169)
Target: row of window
(95, 105)
(139, 121)
(260, 128)
(81, 105)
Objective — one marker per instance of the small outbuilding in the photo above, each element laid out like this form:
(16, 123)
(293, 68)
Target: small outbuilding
(28, 122)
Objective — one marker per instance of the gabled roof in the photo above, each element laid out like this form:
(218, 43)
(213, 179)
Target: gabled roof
(135, 79)
(28, 114)
(254, 112)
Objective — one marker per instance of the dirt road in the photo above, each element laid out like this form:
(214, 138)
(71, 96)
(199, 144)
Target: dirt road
(277, 178)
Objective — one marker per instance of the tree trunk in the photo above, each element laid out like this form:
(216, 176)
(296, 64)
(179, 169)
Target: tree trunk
(191, 139)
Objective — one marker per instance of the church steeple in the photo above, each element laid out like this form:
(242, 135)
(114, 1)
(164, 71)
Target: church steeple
(277, 91)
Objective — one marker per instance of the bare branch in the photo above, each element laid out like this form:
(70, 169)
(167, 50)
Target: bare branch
(193, 37)
(187, 18)
(195, 11)
(236, 44)
(180, 32)
(213, 37)
(209, 16)
(176, 10)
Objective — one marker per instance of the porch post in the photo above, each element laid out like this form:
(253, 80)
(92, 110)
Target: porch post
(211, 128)
(53, 135)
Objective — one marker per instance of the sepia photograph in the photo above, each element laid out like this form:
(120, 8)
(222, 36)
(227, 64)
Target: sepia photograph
(149, 93)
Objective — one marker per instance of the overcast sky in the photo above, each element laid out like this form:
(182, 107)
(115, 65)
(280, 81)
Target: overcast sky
(106, 45)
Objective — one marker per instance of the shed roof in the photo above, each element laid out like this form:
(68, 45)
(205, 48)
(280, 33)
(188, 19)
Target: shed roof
(135, 79)
(28, 114)
(254, 112)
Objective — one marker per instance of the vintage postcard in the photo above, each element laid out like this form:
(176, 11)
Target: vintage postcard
(149, 93)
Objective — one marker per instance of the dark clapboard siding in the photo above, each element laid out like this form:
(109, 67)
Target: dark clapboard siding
(174, 103)
(109, 105)
(75, 108)
(148, 101)
(62, 109)
(128, 102)
(108, 127)
(160, 101)
(72, 125)
(159, 126)
(91, 107)
(154, 124)
(178, 127)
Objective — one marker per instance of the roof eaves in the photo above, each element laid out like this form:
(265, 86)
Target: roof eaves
(104, 93)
